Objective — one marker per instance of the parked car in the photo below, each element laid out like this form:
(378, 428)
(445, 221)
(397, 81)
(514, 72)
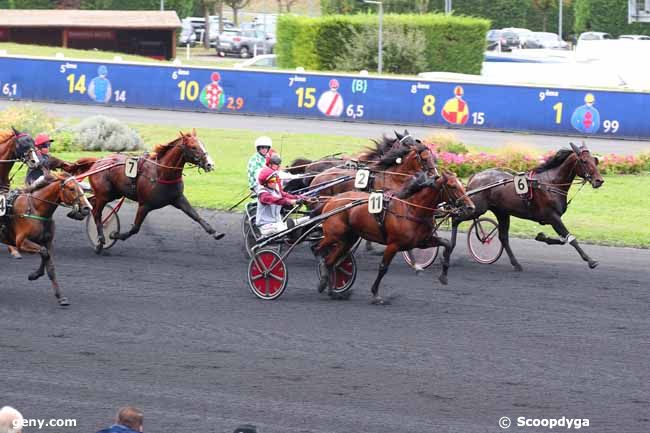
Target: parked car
(187, 35)
(545, 40)
(522, 34)
(198, 23)
(502, 39)
(594, 36)
(245, 42)
(262, 61)
(635, 37)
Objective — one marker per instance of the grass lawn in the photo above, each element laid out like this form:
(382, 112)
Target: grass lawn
(616, 214)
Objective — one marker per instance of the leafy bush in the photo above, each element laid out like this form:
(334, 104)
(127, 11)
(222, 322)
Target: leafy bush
(64, 141)
(26, 118)
(106, 133)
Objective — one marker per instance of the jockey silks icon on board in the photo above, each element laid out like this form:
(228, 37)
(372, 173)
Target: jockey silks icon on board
(330, 102)
(586, 118)
(456, 110)
(212, 95)
(100, 89)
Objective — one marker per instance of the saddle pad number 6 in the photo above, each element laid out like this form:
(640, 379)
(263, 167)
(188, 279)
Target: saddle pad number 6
(521, 184)
(3, 205)
(361, 179)
(131, 168)
(376, 202)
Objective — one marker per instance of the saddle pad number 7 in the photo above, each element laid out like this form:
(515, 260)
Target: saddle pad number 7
(3, 205)
(375, 202)
(521, 184)
(131, 168)
(361, 179)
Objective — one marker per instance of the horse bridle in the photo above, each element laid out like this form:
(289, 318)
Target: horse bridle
(587, 176)
(22, 154)
(189, 155)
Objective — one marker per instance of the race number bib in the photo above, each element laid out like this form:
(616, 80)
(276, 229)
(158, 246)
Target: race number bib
(521, 184)
(376, 202)
(3, 205)
(131, 168)
(361, 179)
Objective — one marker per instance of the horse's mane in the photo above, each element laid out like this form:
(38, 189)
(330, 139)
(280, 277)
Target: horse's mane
(5, 135)
(390, 157)
(160, 149)
(555, 161)
(383, 145)
(301, 164)
(415, 185)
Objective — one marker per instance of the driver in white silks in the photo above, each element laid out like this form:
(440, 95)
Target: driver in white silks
(271, 198)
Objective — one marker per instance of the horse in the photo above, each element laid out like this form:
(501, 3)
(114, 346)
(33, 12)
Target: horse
(549, 185)
(406, 222)
(15, 146)
(158, 182)
(29, 225)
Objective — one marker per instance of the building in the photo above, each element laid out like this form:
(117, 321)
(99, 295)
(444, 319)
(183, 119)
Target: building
(147, 33)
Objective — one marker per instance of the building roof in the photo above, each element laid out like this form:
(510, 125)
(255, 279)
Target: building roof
(89, 18)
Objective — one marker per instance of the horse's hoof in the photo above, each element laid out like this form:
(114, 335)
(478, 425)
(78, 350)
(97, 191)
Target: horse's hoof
(16, 256)
(34, 276)
(518, 267)
(377, 300)
(323, 283)
(63, 301)
(541, 237)
(593, 264)
(99, 248)
(443, 279)
(114, 235)
(218, 236)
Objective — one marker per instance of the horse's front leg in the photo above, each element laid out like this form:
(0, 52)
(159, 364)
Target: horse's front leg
(183, 204)
(140, 215)
(389, 253)
(447, 248)
(565, 237)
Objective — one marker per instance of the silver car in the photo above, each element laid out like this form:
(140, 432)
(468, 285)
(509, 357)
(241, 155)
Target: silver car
(245, 43)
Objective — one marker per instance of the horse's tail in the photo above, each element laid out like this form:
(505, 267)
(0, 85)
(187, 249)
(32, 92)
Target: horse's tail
(81, 165)
(298, 165)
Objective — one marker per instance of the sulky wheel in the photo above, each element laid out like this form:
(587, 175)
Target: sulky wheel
(267, 275)
(420, 258)
(344, 274)
(483, 241)
(111, 222)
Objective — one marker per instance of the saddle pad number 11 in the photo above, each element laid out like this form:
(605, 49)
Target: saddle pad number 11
(521, 184)
(131, 168)
(376, 202)
(3, 205)
(361, 179)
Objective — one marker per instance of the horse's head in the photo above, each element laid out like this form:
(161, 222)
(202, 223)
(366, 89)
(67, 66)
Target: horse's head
(587, 166)
(195, 152)
(72, 195)
(453, 192)
(418, 158)
(25, 148)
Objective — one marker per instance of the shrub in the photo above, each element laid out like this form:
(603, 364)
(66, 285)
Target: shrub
(105, 133)
(26, 118)
(64, 141)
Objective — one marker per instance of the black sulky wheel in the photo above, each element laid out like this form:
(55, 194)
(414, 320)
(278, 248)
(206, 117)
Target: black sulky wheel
(267, 275)
(420, 258)
(344, 274)
(111, 222)
(483, 241)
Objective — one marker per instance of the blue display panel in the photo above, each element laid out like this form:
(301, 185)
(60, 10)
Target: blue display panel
(350, 98)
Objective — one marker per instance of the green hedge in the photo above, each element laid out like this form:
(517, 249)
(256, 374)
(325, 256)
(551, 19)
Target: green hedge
(453, 44)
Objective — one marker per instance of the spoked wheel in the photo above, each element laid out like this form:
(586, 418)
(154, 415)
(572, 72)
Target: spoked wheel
(111, 222)
(420, 257)
(344, 274)
(483, 241)
(267, 275)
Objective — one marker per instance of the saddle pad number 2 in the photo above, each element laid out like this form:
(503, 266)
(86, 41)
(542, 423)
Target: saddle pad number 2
(3, 205)
(131, 168)
(521, 184)
(375, 202)
(361, 179)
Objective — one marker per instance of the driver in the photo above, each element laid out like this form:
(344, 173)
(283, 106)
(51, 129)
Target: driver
(36, 177)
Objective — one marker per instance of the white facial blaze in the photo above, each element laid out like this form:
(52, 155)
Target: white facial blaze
(33, 158)
(208, 157)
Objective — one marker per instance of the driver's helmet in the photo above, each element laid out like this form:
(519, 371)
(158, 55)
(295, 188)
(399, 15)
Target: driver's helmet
(273, 158)
(42, 140)
(263, 141)
(266, 174)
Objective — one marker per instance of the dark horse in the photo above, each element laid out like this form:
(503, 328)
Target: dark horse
(29, 225)
(549, 186)
(159, 182)
(405, 223)
(15, 146)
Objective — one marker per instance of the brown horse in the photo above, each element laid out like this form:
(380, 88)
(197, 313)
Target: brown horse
(29, 225)
(15, 146)
(158, 182)
(406, 222)
(549, 184)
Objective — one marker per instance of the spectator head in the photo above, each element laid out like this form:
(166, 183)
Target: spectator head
(131, 417)
(11, 421)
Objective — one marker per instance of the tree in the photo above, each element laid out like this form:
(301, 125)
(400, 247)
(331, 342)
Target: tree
(69, 4)
(287, 5)
(544, 7)
(236, 5)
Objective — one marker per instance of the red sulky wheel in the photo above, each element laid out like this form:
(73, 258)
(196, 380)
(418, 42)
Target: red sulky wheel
(267, 275)
(344, 274)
